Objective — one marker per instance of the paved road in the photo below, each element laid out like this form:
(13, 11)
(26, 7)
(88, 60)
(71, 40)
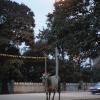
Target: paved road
(41, 96)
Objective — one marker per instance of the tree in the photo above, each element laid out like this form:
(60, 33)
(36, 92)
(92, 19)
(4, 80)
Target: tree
(16, 26)
(16, 23)
(74, 28)
(9, 69)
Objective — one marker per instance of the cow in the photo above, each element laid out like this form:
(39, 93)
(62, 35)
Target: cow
(52, 85)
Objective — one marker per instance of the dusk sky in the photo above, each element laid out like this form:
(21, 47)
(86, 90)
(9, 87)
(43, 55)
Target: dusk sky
(40, 8)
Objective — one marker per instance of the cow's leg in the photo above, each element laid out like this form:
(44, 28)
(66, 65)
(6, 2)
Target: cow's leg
(59, 94)
(59, 90)
(46, 95)
(49, 95)
(53, 95)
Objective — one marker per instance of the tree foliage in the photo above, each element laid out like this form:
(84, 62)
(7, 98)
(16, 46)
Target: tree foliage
(16, 26)
(16, 23)
(74, 28)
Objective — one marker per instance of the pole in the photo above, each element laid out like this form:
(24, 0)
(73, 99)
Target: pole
(46, 78)
(45, 65)
(57, 66)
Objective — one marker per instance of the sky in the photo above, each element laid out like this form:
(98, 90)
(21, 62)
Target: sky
(40, 8)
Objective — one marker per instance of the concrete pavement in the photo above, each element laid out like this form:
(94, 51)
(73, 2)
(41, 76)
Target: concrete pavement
(41, 96)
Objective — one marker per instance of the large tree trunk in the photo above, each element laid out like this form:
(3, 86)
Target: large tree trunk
(4, 87)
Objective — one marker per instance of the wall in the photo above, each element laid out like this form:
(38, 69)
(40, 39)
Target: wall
(22, 87)
(78, 87)
(38, 87)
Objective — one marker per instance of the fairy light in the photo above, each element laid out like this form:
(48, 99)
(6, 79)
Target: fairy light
(24, 57)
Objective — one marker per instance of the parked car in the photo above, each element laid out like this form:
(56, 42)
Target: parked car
(95, 89)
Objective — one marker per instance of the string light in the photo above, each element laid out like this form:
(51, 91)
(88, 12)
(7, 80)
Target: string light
(23, 57)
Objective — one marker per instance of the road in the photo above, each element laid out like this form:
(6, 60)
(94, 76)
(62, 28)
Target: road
(41, 96)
